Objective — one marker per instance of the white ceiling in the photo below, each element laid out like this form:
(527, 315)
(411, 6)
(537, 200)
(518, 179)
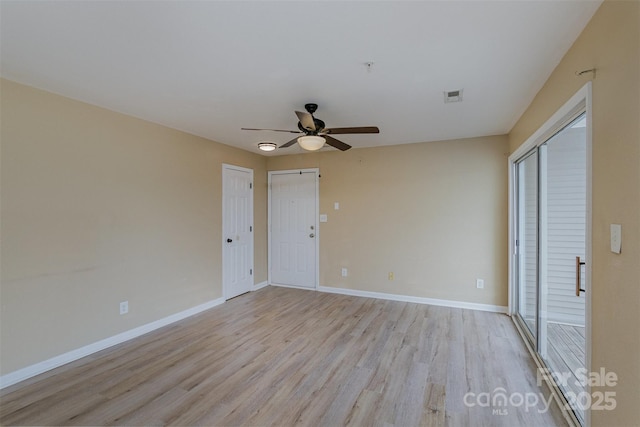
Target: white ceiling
(212, 67)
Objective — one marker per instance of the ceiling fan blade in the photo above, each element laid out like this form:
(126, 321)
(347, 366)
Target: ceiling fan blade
(306, 120)
(336, 144)
(290, 143)
(273, 130)
(343, 131)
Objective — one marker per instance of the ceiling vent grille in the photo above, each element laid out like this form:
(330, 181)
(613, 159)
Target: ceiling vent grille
(452, 96)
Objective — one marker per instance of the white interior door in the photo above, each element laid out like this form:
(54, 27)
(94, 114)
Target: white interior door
(237, 230)
(293, 213)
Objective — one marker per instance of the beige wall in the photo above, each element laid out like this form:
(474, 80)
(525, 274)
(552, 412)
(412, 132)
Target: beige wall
(433, 213)
(97, 208)
(611, 44)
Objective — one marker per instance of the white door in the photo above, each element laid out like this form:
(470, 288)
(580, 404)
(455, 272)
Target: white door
(237, 230)
(293, 213)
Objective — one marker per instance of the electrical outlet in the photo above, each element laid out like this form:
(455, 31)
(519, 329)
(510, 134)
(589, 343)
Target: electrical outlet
(345, 272)
(124, 307)
(480, 283)
(391, 275)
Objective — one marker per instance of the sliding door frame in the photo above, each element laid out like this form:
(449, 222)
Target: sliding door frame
(581, 101)
(519, 225)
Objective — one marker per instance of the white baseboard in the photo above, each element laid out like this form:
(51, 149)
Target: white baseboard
(62, 359)
(293, 287)
(418, 300)
(260, 285)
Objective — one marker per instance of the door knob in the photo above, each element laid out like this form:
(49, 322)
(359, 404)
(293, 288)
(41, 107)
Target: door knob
(229, 240)
(312, 235)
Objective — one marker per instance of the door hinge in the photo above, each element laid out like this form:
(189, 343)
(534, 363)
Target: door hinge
(250, 185)
(250, 271)
(250, 228)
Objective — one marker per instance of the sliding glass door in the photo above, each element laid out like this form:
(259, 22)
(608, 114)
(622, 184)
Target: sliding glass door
(550, 227)
(563, 258)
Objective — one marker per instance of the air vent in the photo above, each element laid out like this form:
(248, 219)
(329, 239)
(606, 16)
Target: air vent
(453, 95)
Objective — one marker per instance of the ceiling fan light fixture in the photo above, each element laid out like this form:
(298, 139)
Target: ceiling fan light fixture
(267, 146)
(311, 142)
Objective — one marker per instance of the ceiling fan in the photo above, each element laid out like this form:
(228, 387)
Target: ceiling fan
(315, 135)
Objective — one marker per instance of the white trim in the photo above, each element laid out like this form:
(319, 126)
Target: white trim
(538, 136)
(511, 295)
(73, 355)
(588, 241)
(269, 227)
(304, 288)
(237, 168)
(418, 300)
(317, 226)
(315, 171)
(260, 285)
(542, 256)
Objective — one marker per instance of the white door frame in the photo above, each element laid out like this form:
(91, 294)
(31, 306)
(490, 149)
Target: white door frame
(316, 172)
(550, 127)
(226, 167)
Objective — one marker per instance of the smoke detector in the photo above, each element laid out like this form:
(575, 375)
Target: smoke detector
(453, 96)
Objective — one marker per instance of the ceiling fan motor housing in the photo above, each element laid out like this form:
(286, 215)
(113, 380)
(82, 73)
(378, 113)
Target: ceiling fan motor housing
(319, 127)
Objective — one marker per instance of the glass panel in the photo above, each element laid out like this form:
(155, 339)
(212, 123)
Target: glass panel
(562, 239)
(527, 176)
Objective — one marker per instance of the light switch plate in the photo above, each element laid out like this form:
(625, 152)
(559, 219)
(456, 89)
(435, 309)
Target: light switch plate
(323, 217)
(336, 206)
(616, 238)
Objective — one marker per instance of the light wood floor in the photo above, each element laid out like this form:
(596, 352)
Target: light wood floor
(566, 354)
(283, 356)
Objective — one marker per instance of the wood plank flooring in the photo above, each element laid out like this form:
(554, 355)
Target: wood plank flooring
(285, 357)
(566, 355)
